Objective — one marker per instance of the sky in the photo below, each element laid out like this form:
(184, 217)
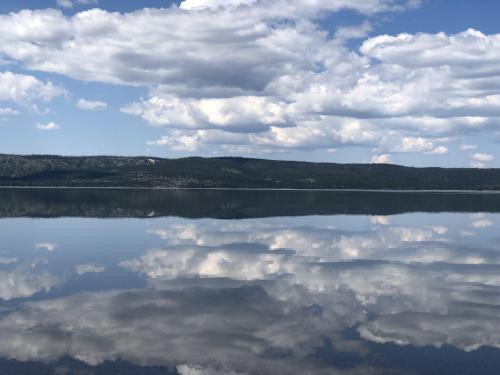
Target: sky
(412, 82)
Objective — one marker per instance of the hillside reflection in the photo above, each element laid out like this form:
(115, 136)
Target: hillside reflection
(330, 294)
(232, 204)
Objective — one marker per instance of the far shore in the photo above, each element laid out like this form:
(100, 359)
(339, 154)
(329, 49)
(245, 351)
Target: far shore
(457, 191)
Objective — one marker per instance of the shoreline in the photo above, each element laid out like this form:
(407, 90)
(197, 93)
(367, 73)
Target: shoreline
(451, 191)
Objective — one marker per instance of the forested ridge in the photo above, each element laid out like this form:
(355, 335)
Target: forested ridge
(233, 172)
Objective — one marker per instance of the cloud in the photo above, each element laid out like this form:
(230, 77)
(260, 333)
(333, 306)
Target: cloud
(91, 105)
(307, 135)
(353, 32)
(482, 157)
(214, 4)
(460, 50)
(177, 141)
(49, 126)
(250, 113)
(419, 144)
(298, 8)
(440, 150)
(25, 89)
(6, 111)
(157, 46)
(479, 160)
(71, 3)
(467, 147)
(223, 77)
(381, 159)
(385, 99)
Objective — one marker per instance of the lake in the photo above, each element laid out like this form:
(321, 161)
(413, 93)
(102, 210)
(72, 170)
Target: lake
(201, 282)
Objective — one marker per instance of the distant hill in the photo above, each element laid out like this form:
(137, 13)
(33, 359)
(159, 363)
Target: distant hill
(233, 172)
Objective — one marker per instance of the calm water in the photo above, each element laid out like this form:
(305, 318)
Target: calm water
(204, 282)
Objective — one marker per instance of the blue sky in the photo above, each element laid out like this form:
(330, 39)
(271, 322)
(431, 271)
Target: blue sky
(408, 82)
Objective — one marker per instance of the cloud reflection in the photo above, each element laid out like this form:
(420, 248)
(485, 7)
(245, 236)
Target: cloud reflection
(264, 296)
(25, 281)
(228, 328)
(47, 246)
(82, 269)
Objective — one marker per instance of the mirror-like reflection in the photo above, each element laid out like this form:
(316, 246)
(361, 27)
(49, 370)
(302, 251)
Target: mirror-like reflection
(414, 293)
(233, 204)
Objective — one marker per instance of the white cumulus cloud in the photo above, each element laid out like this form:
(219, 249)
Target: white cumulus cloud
(249, 113)
(260, 76)
(24, 89)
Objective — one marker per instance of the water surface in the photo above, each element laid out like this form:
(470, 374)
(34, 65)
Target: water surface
(204, 282)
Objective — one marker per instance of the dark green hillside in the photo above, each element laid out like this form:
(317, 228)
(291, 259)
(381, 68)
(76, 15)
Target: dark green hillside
(195, 172)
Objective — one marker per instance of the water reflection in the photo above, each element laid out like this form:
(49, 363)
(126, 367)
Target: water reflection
(232, 204)
(24, 281)
(313, 294)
